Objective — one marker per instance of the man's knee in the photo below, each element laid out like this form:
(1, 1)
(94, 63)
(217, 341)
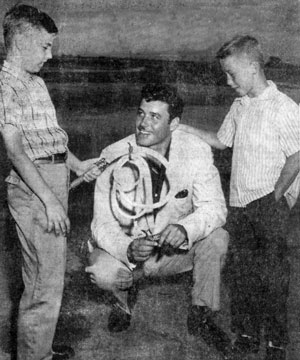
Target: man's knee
(103, 269)
(217, 241)
(220, 240)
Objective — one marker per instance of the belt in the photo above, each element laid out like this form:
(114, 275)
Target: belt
(52, 159)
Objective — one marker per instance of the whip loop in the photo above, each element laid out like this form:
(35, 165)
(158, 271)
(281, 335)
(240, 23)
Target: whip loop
(131, 194)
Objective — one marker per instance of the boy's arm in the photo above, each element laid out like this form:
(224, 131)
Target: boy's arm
(56, 214)
(82, 167)
(210, 137)
(287, 175)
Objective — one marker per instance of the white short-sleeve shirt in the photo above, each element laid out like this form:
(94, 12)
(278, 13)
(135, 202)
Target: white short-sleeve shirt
(263, 132)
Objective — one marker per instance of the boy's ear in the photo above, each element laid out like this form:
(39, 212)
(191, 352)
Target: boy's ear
(174, 123)
(18, 41)
(256, 66)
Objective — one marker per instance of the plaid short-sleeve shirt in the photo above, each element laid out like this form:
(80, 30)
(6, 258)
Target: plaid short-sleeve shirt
(263, 132)
(26, 104)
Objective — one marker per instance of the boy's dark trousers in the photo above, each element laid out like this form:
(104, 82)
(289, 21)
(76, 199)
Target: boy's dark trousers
(258, 268)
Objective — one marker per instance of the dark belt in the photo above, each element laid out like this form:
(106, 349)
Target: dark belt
(52, 159)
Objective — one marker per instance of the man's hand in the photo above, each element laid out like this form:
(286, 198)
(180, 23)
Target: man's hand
(140, 249)
(124, 279)
(173, 235)
(57, 218)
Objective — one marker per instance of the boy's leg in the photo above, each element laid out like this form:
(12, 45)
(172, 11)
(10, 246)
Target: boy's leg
(43, 268)
(243, 277)
(259, 273)
(269, 219)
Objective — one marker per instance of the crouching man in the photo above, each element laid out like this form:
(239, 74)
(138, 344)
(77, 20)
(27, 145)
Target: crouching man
(179, 228)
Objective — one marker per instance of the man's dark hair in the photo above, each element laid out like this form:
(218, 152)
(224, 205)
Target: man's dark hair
(242, 44)
(21, 17)
(164, 93)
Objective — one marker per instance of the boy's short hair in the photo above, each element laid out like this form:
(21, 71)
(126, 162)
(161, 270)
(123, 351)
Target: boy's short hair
(21, 17)
(164, 93)
(242, 44)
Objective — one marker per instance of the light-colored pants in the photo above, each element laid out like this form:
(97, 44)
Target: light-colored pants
(44, 262)
(205, 258)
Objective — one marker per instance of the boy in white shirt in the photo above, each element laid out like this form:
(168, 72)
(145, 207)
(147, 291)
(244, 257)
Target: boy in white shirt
(263, 127)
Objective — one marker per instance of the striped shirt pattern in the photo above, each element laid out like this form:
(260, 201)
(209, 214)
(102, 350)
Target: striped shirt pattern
(26, 104)
(263, 131)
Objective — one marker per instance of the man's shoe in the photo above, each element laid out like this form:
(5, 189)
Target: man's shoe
(62, 352)
(245, 344)
(275, 352)
(119, 320)
(200, 323)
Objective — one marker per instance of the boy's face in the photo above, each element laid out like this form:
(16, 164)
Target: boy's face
(153, 126)
(240, 71)
(35, 49)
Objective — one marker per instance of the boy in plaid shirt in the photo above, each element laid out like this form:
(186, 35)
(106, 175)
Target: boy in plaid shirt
(39, 181)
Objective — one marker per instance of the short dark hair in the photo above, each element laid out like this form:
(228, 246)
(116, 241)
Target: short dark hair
(242, 44)
(164, 93)
(20, 17)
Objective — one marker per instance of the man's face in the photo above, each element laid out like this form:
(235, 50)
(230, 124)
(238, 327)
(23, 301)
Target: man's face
(36, 49)
(153, 129)
(240, 74)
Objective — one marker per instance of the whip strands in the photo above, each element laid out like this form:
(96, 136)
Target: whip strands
(131, 194)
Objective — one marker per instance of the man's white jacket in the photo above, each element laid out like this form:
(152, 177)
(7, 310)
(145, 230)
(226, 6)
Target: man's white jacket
(196, 202)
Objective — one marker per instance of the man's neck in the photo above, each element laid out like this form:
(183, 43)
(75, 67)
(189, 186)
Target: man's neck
(163, 148)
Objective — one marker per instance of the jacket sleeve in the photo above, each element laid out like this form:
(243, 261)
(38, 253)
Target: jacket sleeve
(209, 207)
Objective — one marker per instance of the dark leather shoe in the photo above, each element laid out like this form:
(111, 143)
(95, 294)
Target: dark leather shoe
(119, 320)
(245, 344)
(62, 352)
(200, 323)
(274, 352)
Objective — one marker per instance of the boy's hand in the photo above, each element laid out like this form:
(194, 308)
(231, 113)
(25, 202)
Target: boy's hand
(89, 170)
(57, 218)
